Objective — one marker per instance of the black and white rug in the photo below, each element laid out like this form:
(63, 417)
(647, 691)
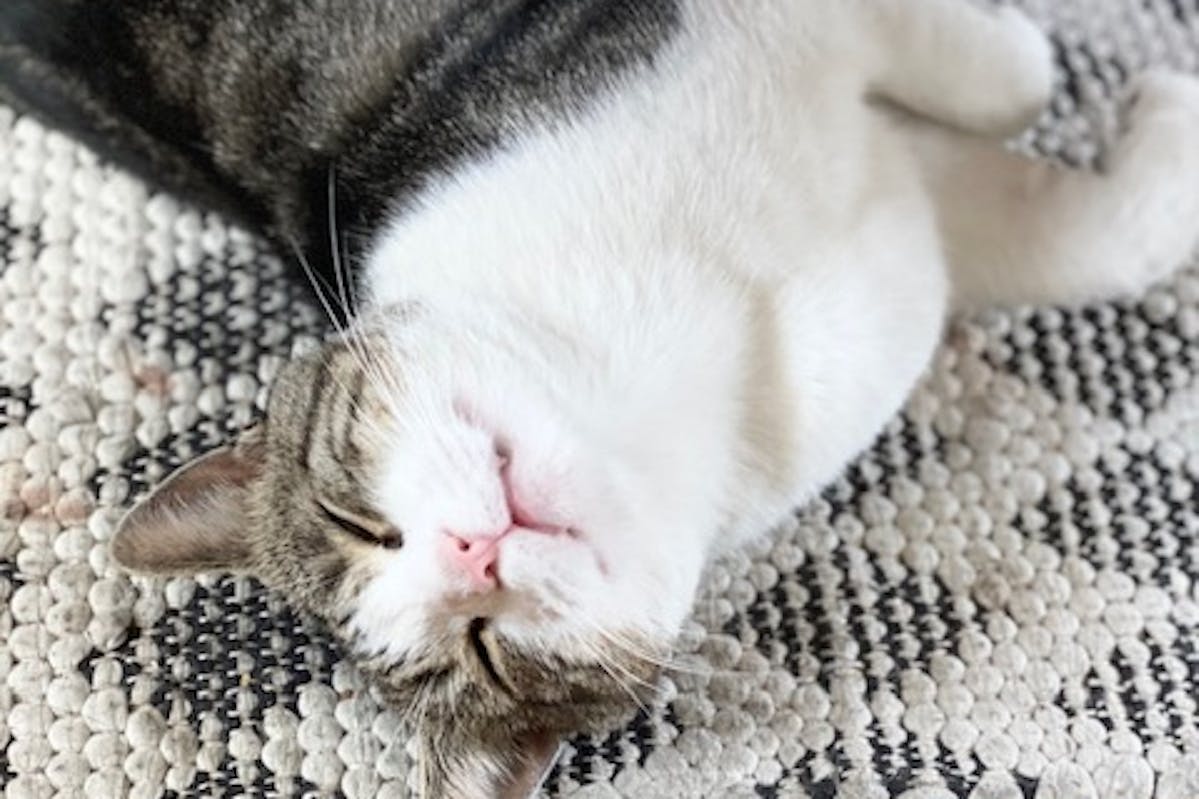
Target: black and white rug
(1001, 600)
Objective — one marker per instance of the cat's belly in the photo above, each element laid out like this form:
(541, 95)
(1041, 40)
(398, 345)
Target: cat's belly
(840, 344)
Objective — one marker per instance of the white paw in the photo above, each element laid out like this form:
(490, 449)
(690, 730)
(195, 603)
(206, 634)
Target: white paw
(1155, 168)
(1031, 86)
(1163, 127)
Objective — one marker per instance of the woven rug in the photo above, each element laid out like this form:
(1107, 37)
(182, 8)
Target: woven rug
(1000, 600)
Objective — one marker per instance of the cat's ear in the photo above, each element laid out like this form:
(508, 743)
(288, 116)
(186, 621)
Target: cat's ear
(196, 520)
(514, 769)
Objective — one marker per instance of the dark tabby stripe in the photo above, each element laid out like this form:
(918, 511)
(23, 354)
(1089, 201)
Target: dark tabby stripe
(332, 409)
(332, 402)
(347, 451)
(256, 104)
(321, 385)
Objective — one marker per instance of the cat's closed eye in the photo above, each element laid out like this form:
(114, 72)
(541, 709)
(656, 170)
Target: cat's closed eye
(360, 527)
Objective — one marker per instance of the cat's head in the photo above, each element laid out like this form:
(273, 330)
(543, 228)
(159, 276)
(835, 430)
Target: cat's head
(504, 578)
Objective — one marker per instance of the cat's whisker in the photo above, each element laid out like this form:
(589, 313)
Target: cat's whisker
(612, 637)
(607, 665)
(666, 662)
(335, 245)
(384, 381)
(629, 677)
(625, 645)
(663, 662)
(320, 289)
(352, 334)
(675, 665)
(614, 663)
(372, 375)
(633, 650)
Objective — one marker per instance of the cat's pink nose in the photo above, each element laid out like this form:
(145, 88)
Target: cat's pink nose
(475, 558)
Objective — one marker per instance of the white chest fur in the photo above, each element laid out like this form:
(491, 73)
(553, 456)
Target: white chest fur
(736, 238)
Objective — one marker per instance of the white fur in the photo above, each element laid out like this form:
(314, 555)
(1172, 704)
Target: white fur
(688, 309)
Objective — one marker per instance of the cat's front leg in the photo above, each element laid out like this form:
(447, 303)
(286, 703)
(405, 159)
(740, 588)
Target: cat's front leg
(1019, 230)
(988, 72)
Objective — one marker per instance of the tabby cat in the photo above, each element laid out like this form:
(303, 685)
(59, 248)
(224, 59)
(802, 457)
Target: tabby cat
(626, 281)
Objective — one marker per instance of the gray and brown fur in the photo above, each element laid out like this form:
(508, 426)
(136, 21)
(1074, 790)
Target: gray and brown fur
(268, 107)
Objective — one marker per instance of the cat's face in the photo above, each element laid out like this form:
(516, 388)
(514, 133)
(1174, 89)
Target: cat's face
(503, 576)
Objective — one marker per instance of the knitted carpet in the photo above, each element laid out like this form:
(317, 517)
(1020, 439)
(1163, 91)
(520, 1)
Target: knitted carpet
(1000, 600)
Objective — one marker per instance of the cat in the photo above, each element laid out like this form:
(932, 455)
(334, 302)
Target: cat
(629, 282)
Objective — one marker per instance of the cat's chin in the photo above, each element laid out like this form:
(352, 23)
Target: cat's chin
(512, 606)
